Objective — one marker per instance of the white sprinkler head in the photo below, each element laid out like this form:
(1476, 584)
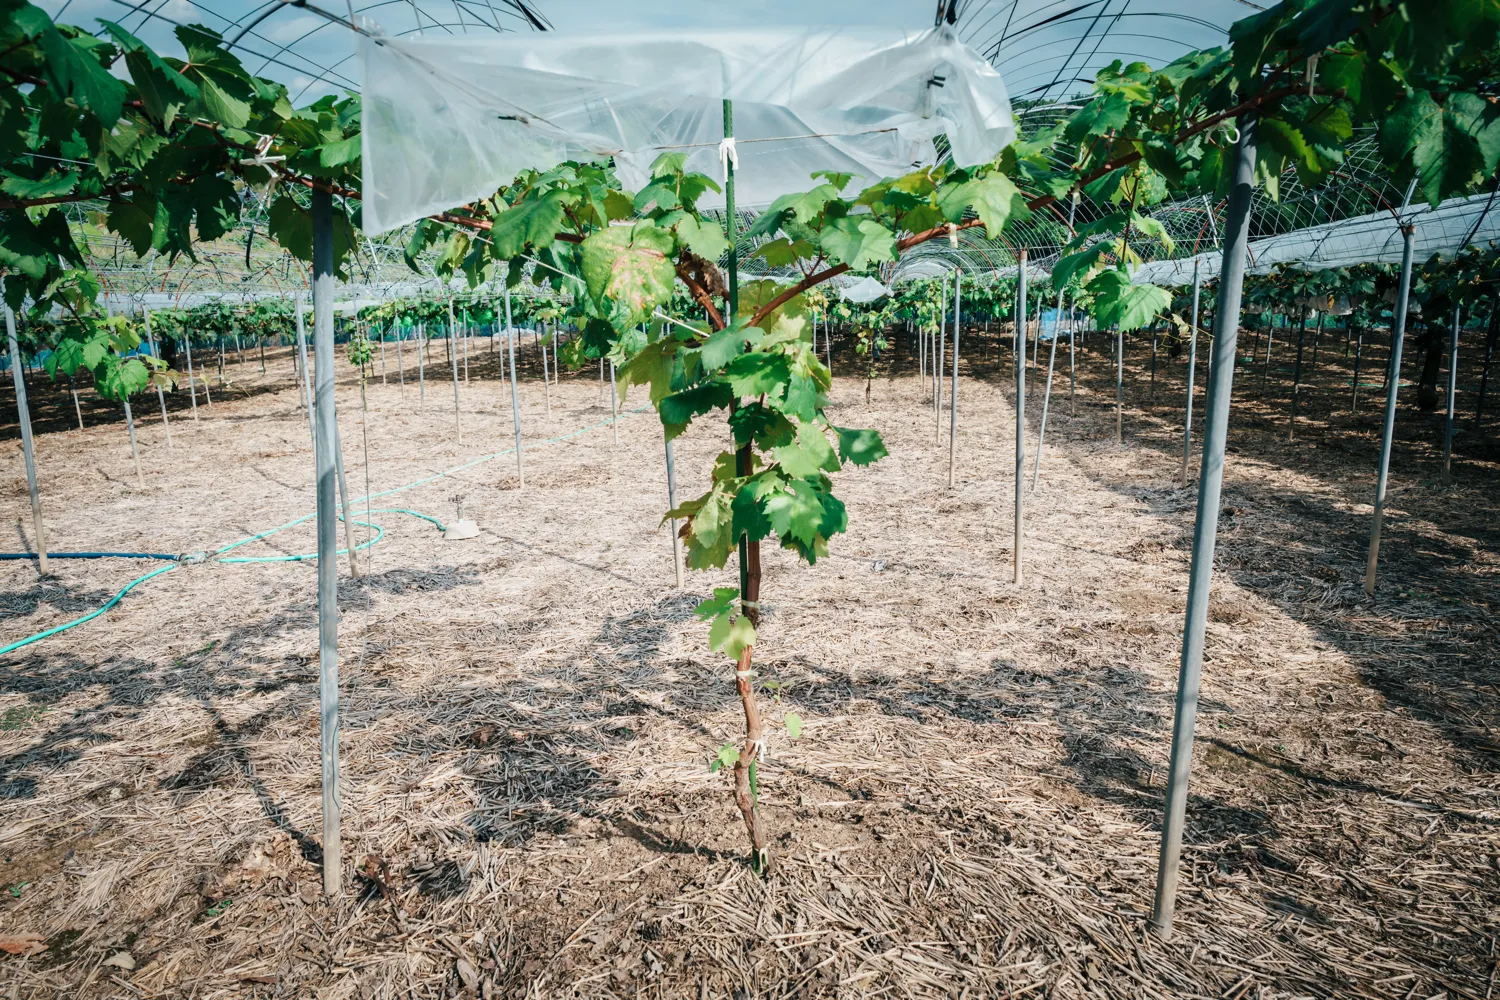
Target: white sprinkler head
(459, 530)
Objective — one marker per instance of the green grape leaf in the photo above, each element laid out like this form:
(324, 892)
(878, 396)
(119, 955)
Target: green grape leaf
(50, 185)
(757, 374)
(796, 511)
(679, 409)
(994, 199)
(72, 70)
(629, 266)
(808, 455)
(722, 603)
(1102, 113)
(163, 90)
(132, 221)
(860, 446)
(731, 634)
(1081, 263)
(705, 239)
(534, 221)
(793, 725)
(727, 755)
(1447, 147)
(857, 241)
(784, 252)
(724, 345)
(1120, 302)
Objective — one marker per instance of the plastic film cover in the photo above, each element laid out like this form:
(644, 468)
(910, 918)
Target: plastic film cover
(448, 120)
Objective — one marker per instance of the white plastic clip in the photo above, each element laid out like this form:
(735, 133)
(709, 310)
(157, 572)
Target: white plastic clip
(1312, 72)
(952, 235)
(260, 159)
(728, 154)
(756, 750)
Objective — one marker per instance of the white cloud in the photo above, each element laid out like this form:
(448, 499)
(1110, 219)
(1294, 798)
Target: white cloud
(285, 30)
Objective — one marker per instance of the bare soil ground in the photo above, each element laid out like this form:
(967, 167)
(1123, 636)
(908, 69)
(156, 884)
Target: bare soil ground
(974, 805)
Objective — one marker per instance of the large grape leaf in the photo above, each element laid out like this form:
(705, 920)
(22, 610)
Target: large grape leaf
(629, 266)
(533, 221)
(808, 455)
(992, 197)
(71, 69)
(861, 446)
(1119, 302)
(1447, 147)
(858, 242)
(163, 90)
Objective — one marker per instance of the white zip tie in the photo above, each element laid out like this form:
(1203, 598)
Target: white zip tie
(756, 750)
(728, 154)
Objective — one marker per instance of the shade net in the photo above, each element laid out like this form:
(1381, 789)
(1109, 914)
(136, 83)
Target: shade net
(1367, 239)
(449, 120)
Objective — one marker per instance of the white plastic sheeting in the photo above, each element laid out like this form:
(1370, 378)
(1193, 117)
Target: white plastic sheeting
(1455, 224)
(447, 120)
(864, 291)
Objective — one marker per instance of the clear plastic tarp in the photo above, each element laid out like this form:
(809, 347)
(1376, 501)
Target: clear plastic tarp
(1376, 238)
(864, 291)
(448, 120)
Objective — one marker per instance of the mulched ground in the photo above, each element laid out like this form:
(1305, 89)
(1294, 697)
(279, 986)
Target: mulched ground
(971, 811)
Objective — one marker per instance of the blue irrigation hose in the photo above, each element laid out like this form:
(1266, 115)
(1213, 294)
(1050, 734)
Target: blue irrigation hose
(93, 555)
(303, 556)
(292, 523)
(91, 615)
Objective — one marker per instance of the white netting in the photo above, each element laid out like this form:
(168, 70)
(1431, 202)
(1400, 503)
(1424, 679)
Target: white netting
(1374, 238)
(448, 120)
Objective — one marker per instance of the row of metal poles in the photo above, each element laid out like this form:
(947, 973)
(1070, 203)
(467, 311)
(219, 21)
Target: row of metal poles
(1210, 481)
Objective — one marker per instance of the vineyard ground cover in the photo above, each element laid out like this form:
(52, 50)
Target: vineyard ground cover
(973, 802)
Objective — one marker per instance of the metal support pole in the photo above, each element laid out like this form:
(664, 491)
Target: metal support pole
(515, 393)
(135, 455)
(400, 363)
(328, 584)
(1041, 437)
(28, 448)
(921, 353)
(306, 387)
(1018, 573)
(1206, 524)
(1359, 347)
(953, 386)
(1393, 385)
(421, 366)
(937, 371)
(672, 505)
(187, 346)
(1187, 421)
(346, 509)
(160, 395)
(1119, 385)
(1291, 433)
(1452, 391)
(1072, 356)
(546, 375)
(458, 428)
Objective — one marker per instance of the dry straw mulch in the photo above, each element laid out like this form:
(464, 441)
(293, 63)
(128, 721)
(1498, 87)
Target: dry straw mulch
(972, 810)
